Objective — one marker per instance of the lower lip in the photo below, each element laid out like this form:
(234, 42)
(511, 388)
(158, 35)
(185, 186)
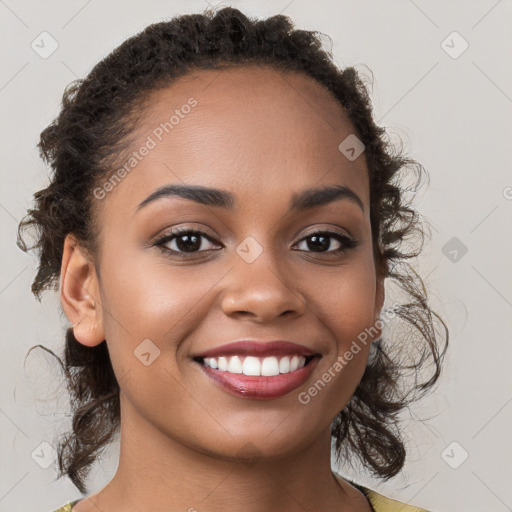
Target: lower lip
(262, 388)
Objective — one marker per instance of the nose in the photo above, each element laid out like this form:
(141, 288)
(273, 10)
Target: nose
(260, 291)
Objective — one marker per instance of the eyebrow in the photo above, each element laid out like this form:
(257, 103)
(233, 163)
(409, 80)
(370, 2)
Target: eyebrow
(309, 198)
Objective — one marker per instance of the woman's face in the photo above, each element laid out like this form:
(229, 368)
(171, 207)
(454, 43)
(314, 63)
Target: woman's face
(253, 269)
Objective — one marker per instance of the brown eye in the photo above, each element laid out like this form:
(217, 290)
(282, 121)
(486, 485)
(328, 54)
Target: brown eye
(322, 241)
(183, 241)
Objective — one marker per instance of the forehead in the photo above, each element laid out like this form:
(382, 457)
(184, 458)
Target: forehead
(253, 129)
(250, 101)
(247, 88)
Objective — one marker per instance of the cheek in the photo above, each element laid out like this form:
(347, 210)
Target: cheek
(150, 299)
(149, 307)
(345, 306)
(344, 301)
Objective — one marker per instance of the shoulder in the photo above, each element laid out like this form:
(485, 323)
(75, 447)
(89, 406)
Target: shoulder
(67, 507)
(382, 503)
(379, 502)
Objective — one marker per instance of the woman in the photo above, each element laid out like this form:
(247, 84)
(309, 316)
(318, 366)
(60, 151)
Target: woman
(221, 220)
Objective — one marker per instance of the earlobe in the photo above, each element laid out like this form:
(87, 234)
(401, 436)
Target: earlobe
(79, 293)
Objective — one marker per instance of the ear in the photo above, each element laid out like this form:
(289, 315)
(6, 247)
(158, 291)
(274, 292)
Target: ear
(79, 293)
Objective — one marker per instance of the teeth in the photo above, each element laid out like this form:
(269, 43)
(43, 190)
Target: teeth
(252, 366)
(284, 365)
(270, 366)
(235, 365)
(256, 366)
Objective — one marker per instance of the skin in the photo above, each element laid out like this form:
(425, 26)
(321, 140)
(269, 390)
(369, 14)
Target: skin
(262, 135)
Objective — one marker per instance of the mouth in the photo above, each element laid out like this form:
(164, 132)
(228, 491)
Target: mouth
(260, 378)
(249, 365)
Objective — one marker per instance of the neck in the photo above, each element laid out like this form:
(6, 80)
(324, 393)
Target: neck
(158, 472)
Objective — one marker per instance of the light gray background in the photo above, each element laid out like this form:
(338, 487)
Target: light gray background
(453, 115)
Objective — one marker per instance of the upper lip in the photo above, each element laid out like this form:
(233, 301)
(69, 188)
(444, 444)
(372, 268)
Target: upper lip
(258, 348)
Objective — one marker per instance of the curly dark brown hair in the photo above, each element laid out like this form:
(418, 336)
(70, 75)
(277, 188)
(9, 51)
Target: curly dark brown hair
(82, 144)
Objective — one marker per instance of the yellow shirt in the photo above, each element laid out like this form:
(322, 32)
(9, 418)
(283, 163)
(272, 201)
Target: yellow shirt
(381, 503)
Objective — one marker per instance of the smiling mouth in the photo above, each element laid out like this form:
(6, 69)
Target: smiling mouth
(256, 366)
(261, 378)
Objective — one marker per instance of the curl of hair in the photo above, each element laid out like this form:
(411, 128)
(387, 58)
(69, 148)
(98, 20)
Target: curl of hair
(90, 134)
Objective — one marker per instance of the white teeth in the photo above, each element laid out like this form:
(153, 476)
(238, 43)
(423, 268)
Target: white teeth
(284, 365)
(270, 366)
(222, 363)
(235, 365)
(251, 365)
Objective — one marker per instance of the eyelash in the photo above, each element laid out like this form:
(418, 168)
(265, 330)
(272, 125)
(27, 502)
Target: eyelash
(346, 242)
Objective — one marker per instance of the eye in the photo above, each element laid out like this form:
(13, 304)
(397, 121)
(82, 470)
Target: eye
(321, 241)
(185, 241)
